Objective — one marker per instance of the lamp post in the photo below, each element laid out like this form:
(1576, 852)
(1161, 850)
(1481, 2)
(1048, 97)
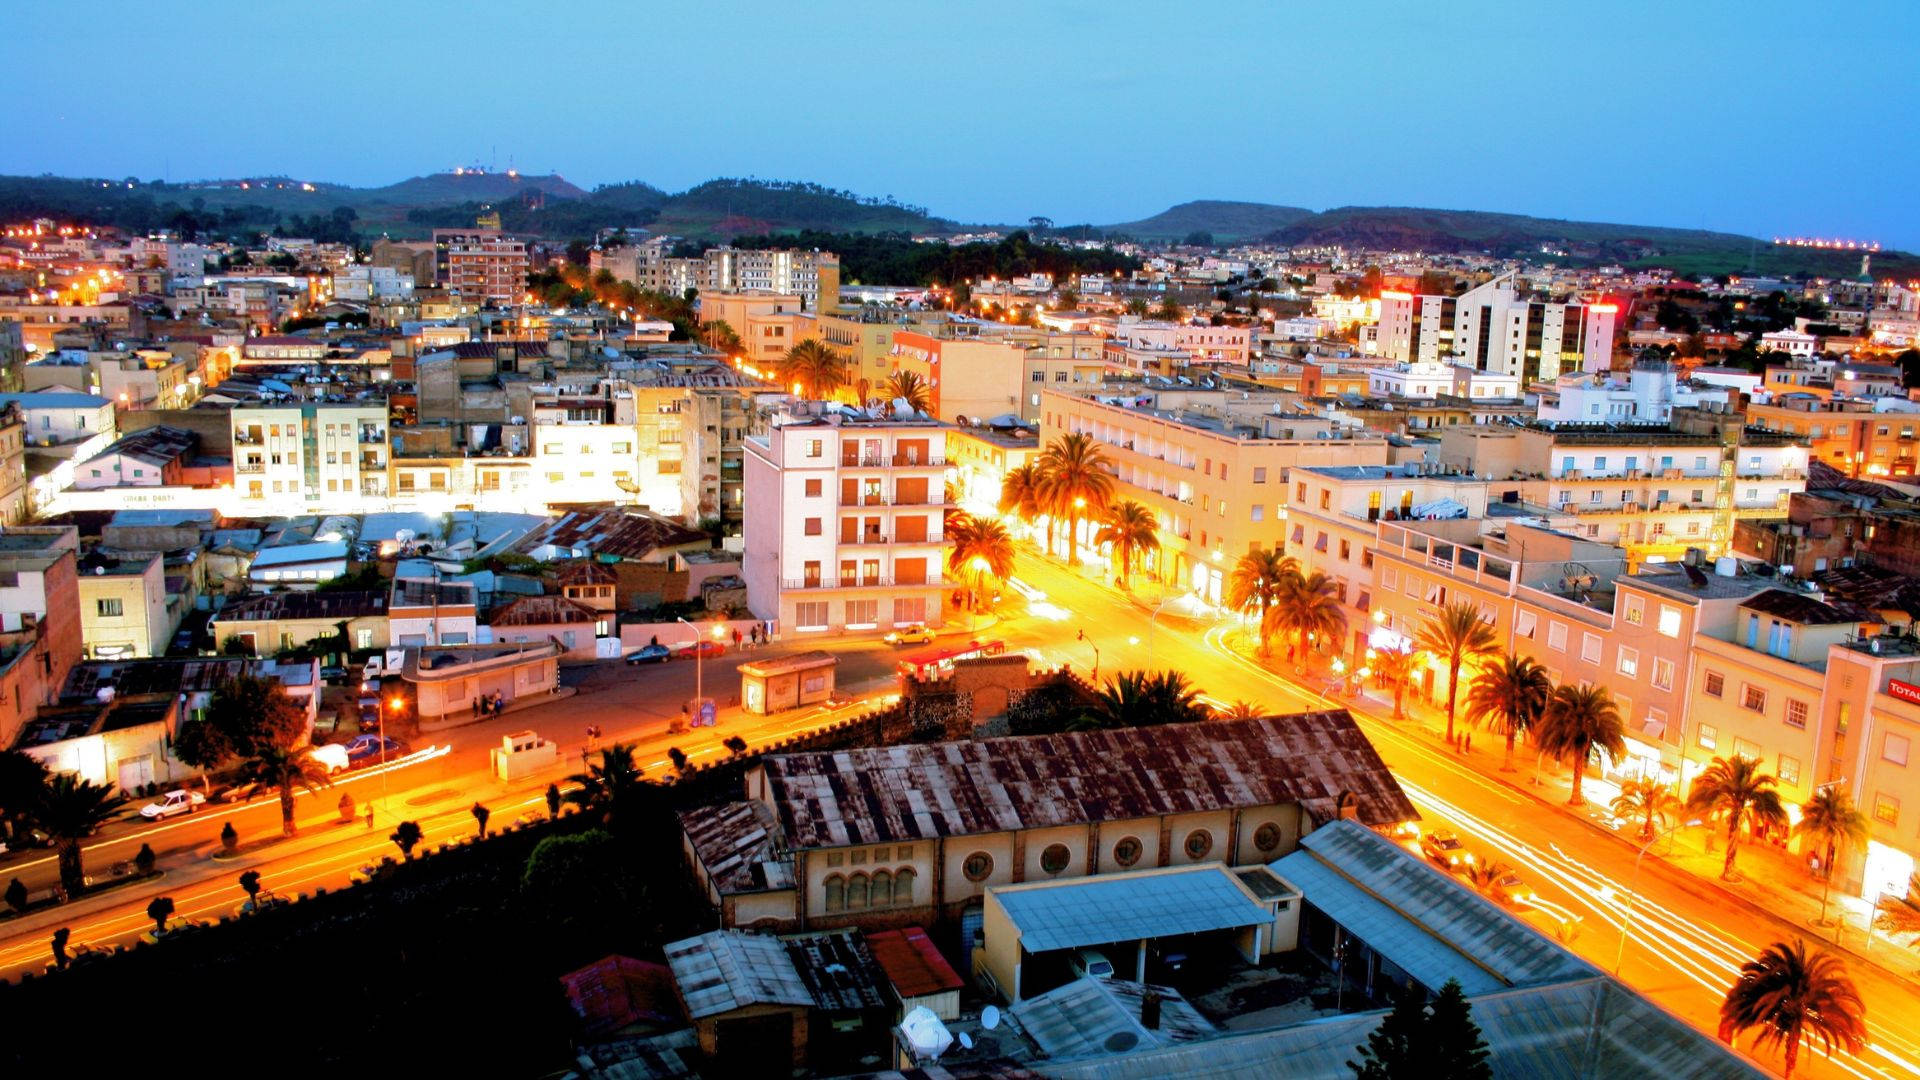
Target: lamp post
(396, 703)
(1633, 883)
(699, 692)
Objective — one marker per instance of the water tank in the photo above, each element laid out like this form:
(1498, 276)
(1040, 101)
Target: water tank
(1726, 566)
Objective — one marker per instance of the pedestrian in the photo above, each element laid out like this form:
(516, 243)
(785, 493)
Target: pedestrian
(736, 637)
(499, 704)
(1468, 745)
(476, 707)
(369, 815)
(655, 640)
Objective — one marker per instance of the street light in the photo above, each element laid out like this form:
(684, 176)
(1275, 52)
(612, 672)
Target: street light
(1634, 883)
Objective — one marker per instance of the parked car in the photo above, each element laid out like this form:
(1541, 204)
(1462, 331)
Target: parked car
(333, 756)
(1092, 963)
(333, 673)
(365, 749)
(702, 648)
(917, 634)
(1510, 890)
(650, 654)
(177, 801)
(1446, 849)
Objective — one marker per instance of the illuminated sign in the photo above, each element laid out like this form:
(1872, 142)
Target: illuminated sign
(1905, 691)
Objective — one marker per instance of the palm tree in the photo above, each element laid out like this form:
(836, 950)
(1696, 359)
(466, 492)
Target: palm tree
(1143, 699)
(1254, 584)
(250, 884)
(1138, 306)
(1483, 874)
(1074, 482)
(1901, 914)
(1738, 789)
(609, 784)
(406, 836)
(813, 366)
(1020, 493)
(1579, 719)
(70, 809)
(1789, 996)
(1240, 710)
(981, 546)
(160, 909)
(1455, 634)
(1309, 608)
(1650, 801)
(1395, 668)
(285, 768)
(1831, 820)
(22, 778)
(908, 386)
(1132, 530)
(1508, 698)
(715, 334)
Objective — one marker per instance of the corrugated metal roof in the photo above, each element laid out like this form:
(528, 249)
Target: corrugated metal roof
(731, 839)
(1089, 1017)
(904, 793)
(725, 970)
(1127, 907)
(838, 968)
(912, 964)
(542, 611)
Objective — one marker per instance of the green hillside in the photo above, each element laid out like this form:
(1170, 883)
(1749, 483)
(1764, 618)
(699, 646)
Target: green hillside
(1227, 222)
(719, 209)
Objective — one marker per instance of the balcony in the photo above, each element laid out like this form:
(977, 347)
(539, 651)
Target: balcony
(249, 470)
(916, 461)
(881, 539)
(859, 581)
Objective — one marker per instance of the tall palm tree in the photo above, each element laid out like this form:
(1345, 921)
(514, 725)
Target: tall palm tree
(1074, 482)
(1652, 802)
(1578, 720)
(1395, 668)
(1455, 635)
(70, 809)
(1020, 493)
(1790, 995)
(1735, 787)
(1144, 699)
(610, 783)
(285, 768)
(1508, 698)
(1254, 584)
(981, 546)
(1483, 874)
(1132, 530)
(1240, 710)
(1901, 914)
(814, 367)
(909, 387)
(1830, 820)
(1307, 607)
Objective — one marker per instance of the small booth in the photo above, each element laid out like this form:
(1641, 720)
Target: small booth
(522, 754)
(771, 686)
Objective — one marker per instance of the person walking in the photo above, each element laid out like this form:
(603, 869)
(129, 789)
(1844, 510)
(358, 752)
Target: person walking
(736, 637)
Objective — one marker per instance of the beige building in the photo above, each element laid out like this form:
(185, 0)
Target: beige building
(285, 620)
(979, 459)
(768, 323)
(123, 607)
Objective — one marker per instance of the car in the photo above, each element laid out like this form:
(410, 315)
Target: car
(917, 634)
(702, 648)
(333, 673)
(655, 653)
(1091, 963)
(1510, 890)
(365, 749)
(1446, 849)
(177, 801)
(333, 756)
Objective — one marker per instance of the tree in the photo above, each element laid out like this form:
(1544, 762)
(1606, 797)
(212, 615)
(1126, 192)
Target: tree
(1169, 309)
(1254, 584)
(480, 815)
(579, 880)
(1067, 299)
(1131, 530)
(406, 836)
(715, 334)
(607, 786)
(1240, 710)
(1830, 820)
(160, 909)
(1652, 803)
(22, 779)
(70, 809)
(1309, 608)
(1483, 874)
(1138, 307)
(1790, 996)
(1508, 698)
(60, 939)
(229, 839)
(245, 716)
(909, 387)
(1456, 634)
(981, 546)
(1020, 494)
(1579, 719)
(143, 860)
(1143, 699)
(814, 367)
(250, 884)
(346, 808)
(1901, 914)
(1454, 1048)
(1074, 479)
(1396, 1050)
(202, 745)
(1736, 789)
(553, 800)
(285, 768)
(1395, 667)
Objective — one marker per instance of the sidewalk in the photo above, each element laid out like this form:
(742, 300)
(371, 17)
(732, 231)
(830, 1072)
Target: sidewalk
(1772, 882)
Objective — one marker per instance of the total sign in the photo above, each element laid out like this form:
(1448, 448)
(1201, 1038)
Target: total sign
(1905, 691)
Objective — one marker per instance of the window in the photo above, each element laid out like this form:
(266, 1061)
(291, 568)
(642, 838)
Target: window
(1716, 684)
(813, 448)
(1753, 698)
(810, 615)
(1630, 662)
(1199, 842)
(1126, 851)
(836, 892)
(1557, 636)
(1260, 474)
(1346, 551)
(1662, 674)
(108, 607)
(1745, 749)
(1389, 578)
(857, 892)
(1708, 737)
(1436, 594)
(1326, 499)
(978, 867)
(903, 882)
(1590, 647)
(1634, 610)
(1886, 809)
(863, 614)
(881, 891)
(1796, 714)
(813, 488)
(1894, 749)
(1267, 837)
(1670, 621)
(363, 639)
(1299, 493)
(1055, 858)
(1039, 376)
(1599, 462)
(1259, 512)
(1524, 623)
(1789, 771)
(813, 526)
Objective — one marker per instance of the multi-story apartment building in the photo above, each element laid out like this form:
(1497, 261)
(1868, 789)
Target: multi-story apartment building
(123, 607)
(1494, 328)
(980, 456)
(583, 443)
(1215, 478)
(813, 276)
(865, 336)
(294, 459)
(1430, 380)
(847, 533)
(39, 619)
(1198, 343)
(1648, 395)
(1859, 438)
(426, 611)
(13, 466)
(484, 265)
(768, 323)
(1869, 717)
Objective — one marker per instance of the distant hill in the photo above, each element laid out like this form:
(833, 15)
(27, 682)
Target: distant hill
(467, 187)
(723, 208)
(1227, 222)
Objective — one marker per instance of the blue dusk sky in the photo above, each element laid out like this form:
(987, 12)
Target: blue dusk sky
(1756, 117)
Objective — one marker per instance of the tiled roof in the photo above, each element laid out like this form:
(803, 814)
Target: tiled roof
(620, 533)
(584, 572)
(1801, 608)
(839, 970)
(542, 611)
(615, 992)
(154, 445)
(903, 793)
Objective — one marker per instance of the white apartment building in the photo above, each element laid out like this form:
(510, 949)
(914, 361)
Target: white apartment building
(814, 276)
(846, 533)
(1201, 344)
(1792, 342)
(290, 460)
(1493, 328)
(1429, 379)
(367, 283)
(1648, 395)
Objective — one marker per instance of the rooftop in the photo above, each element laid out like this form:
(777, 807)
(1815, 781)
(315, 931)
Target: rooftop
(724, 970)
(329, 605)
(1697, 583)
(542, 611)
(911, 962)
(155, 445)
(1091, 1017)
(426, 592)
(838, 970)
(53, 400)
(1129, 907)
(1803, 608)
(738, 845)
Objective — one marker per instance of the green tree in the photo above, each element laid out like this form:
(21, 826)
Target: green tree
(609, 785)
(815, 367)
(1792, 996)
(160, 909)
(1254, 584)
(580, 881)
(229, 839)
(70, 809)
(1578, 720)
(406, 836)
(1240, 710)
(252, 713)
(1454, 1047)
(1456, 634)
(1901, 914)
(1507, 697)
(1138, 307)
(1654, 804)
(1736, 790)
(909, 387)
(1830, 820)
(1131, 530)
(22, 780)
(285, 768)
(1075, 479)
(1309, 608)
(250, 884)
(1395, 667)
(1144, 699)
(1396, 1050)
(715, 334)
(203, 745)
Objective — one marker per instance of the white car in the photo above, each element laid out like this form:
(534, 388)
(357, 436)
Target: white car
(1091, 963)
(178, 801)
(332, 756)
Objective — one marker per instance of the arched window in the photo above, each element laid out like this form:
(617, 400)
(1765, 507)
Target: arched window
(857, 892)
(836, 893)
(978, 867)
(903, 885)
(882, 889)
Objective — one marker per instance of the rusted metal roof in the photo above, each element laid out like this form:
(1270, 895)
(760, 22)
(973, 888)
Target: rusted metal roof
(904, 793)
(912, 964)
(731, 839)
(345, 604)
(616, 533)
(543, 611)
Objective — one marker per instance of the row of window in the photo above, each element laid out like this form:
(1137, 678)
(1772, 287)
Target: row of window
(817, 614)
(1754, 699)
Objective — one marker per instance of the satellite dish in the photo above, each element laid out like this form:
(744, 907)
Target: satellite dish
(966, 1041)
(990, 1017)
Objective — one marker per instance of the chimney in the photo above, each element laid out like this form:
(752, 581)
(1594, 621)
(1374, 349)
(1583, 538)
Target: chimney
(1150, 1010)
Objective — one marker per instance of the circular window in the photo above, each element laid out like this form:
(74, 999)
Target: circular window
(1199, 842)
(1267, 837)
(1055, 858)
(1127, 851)
(978, 866)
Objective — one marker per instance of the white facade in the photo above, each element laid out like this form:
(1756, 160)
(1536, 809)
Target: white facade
(1791, 342)
(367, 283)
(1493, 328)
(1649, 394)
(296, 459)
